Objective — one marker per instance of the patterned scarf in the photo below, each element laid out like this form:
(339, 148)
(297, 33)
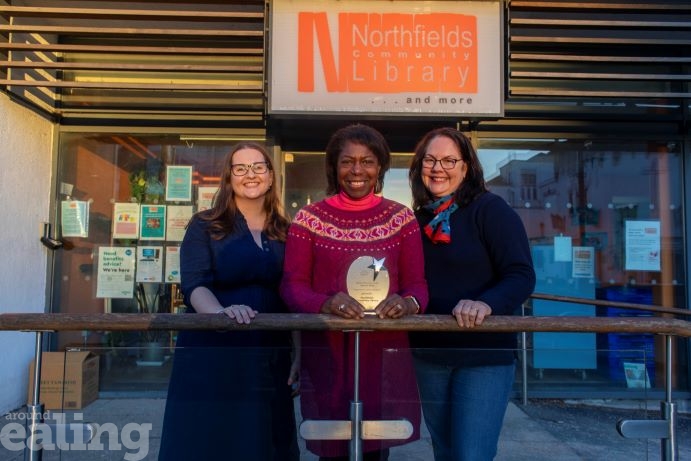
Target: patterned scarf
(438, 229)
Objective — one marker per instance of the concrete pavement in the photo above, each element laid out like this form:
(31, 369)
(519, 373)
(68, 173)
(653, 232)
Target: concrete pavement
(537, 432)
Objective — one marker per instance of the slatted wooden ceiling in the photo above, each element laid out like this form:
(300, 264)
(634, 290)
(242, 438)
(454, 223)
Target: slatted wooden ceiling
(160, 62)
(202, 62)
(600, 49)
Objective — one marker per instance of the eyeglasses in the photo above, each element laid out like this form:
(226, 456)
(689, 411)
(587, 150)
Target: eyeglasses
(240, 169)
(446, 163)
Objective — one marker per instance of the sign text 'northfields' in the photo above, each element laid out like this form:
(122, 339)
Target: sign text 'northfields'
(389, 52)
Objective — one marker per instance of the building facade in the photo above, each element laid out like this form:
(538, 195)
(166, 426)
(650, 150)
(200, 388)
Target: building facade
(588, 139)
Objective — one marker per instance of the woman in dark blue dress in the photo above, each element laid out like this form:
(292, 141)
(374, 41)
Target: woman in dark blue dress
(230, 392)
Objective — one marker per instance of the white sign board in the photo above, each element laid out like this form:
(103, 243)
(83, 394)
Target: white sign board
(406, 58)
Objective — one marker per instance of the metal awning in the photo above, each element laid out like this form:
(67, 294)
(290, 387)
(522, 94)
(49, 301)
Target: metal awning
(202, 64)
(120, 62)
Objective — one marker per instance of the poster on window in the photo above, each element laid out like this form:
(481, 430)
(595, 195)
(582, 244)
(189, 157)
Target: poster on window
(637, 376)
(115, 276)
(172, 274)
(205, 197)
(563, 249)
(176, 221)
(153, 222)
(149, 264)
(75, 218)
(126, 220)
(178, 183)
(642, 242)
(583, 262)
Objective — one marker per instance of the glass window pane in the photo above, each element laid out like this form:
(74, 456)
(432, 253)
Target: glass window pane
(102, 169)
(604, 222)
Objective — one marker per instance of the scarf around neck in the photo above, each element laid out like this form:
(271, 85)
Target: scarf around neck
(438, 229)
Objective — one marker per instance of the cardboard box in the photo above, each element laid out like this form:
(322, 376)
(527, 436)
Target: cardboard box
(69, 381)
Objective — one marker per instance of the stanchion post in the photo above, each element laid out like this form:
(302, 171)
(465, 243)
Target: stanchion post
(356, 406)
(524, 361)
(663, 429)
(34, 450)
(668, 447)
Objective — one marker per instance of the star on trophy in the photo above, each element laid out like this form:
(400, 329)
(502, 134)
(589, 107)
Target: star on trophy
(368, 282)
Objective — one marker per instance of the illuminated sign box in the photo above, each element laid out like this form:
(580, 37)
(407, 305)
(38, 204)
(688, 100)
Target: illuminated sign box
(399, 58)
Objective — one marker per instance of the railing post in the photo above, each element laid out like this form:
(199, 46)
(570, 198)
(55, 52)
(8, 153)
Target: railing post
(663, 429)
(71, 432)
(34, 451)
(668, 447)
(356, 406)
(355, 430)
(524, 361)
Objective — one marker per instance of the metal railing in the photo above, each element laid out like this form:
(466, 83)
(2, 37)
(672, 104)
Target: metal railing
(663, 429)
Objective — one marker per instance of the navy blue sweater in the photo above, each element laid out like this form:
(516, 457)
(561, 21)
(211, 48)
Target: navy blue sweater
(488, 260)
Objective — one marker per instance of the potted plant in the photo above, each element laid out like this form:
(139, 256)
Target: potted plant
(151, 342)
(146, 185)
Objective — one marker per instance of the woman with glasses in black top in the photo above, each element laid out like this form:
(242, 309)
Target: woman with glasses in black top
(477, 264)
(230, 392)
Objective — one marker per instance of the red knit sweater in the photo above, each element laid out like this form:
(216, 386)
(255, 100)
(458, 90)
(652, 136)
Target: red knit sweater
(322, 243)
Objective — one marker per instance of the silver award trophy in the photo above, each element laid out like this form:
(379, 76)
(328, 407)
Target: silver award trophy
(368, 282)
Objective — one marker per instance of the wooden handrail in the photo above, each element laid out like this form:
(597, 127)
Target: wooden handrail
(617, 304)
(505, 324)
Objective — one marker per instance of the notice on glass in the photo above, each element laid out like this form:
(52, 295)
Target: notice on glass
(636, 375)
(178, 183)
(115, 277)
(583, 262)
(177, 218)
(562, 248)
(75, 218)
(205, 197)
(642, 240)
(153, 222)
(149, 264)
(172, 274)
(126, 220)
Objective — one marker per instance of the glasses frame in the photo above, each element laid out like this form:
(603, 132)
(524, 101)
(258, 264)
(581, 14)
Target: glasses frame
(249, 166)
(441, 160)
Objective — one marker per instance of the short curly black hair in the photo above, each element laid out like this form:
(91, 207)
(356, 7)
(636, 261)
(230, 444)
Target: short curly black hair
(357, 134)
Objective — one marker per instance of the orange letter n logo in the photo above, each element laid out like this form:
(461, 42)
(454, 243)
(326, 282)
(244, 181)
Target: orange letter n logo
(309, 25)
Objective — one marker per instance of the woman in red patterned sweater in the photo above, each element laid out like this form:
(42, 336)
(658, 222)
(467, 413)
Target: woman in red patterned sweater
(323, 240)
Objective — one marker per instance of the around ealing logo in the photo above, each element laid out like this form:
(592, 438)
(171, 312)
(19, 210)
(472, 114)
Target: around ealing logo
(57, 434)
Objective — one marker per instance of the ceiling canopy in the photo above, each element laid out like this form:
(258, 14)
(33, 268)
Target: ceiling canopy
(117, 62)
(201, 64)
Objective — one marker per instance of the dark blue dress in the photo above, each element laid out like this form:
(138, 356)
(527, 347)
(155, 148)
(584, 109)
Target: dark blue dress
(228, 397)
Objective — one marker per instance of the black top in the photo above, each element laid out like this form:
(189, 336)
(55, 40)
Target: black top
(228, 391)
(488, 259)
(237, 271)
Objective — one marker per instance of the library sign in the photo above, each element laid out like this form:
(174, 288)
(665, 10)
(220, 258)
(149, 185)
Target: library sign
(384, 57)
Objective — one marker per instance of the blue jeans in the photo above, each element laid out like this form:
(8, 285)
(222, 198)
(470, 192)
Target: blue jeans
(464, 408)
